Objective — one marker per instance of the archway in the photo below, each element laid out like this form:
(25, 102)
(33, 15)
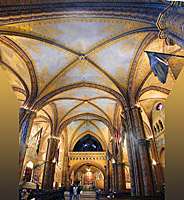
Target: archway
(97, 178)
(28, 172)
(89, 175)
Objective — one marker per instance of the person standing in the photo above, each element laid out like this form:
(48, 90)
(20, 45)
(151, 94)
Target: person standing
(62, 192)
(79, 189)
(110, 194)
(24, 194)
(98, 191)
(71, 192)
(75, 192)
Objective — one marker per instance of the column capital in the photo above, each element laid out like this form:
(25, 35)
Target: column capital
(131, 108)
(143, 142)
(28, 111)
(121, 163)
(53, 139)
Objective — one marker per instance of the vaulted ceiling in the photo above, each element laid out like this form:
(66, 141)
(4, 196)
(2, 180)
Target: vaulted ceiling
(84, 66)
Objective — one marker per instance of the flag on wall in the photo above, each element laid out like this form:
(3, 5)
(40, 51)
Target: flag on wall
(158, 65)
(25, 130)
(123, 131)
(117, 136)
(57, 155)
(116, 148)
(38, 135)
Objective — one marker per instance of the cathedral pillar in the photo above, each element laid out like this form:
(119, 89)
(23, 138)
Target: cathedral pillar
(49, 168)
(121, 177)
(156, 168)
(105, 182)
(131, 165)
(110, 175)
(106, 177)
(143, 145)
(134, 163)
(24, 137)
(22, 115)
(66, 169)
(171, 24)
(114, 175)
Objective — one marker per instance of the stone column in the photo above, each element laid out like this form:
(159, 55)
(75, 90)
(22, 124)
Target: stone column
(146, 166)
(157, 169)
(110, 175)
(49, 169)
(22, 115)
(106, 183)
(114, 176)
(65, 172)
(143, 146)
(106, 176)
(131, 166)
(23, 139)
(121, 177)
(137, 187)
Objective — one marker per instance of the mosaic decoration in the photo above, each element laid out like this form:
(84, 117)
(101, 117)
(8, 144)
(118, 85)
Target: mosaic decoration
(83, 93)
(66, 31)
(13, 80)
(152, 80)
(14, 61)
(158, 45)
(65, 106)
(47, 59)
(176, 64)
(117, 56)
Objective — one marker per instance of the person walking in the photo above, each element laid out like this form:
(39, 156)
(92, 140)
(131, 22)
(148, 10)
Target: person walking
(71, 192)
(62, 192)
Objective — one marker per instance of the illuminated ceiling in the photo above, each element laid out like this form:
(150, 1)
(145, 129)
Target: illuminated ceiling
(65, 68)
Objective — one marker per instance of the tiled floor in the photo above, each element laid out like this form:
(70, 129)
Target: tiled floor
(90, 195)
(86, 195)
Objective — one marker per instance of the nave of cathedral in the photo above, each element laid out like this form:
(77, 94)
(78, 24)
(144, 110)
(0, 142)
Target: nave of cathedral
(91, 111)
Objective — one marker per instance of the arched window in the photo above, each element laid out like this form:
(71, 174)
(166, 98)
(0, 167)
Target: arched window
(28, 171)
(161, 125)
(88, 143)
(159, 107)
(158, 128)
(155, 130)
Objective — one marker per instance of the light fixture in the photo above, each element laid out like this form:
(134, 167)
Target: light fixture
(154, 162)
(150, 137)
(111, 139)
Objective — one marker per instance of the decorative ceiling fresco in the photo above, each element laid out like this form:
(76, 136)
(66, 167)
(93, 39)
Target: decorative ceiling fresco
(28, 2)
(84, 69)
(14, 63)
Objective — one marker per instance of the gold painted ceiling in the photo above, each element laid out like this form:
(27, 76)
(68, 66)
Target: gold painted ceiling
(68, 68)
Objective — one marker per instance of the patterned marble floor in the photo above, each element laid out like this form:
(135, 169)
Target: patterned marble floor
(86, 195)
(90, 195)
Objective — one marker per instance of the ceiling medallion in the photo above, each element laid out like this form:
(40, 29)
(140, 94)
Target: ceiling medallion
(82, 58)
